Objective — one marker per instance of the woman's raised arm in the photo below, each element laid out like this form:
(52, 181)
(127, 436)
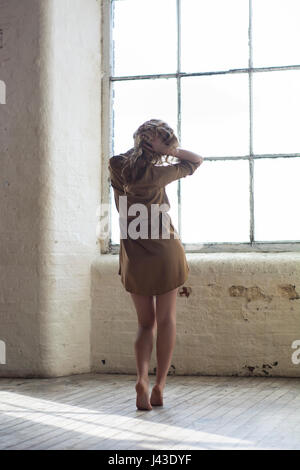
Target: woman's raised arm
(183, 154)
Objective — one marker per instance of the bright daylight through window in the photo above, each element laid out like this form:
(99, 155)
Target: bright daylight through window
(225, 75)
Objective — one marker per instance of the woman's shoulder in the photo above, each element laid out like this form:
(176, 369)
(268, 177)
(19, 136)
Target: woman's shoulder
(116, 160)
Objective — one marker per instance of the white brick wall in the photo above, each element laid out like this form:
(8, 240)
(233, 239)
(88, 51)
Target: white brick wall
(50, 182)
(240, 318)
(59, 315)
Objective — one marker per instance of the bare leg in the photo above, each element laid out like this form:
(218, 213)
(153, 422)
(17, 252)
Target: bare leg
(166, 335)
(145, 308)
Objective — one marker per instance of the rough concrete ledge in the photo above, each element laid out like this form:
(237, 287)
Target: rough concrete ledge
(237, 314)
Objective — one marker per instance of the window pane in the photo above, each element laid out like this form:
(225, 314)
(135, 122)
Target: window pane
(275, 32)
(145, 37)
(136, 101)
(276, 102)
(215, 114)
(214, 35)
(215, 203)
(276, 199)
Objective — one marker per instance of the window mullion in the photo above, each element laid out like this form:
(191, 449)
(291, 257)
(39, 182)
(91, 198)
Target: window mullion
(251, 160)
(178, 78)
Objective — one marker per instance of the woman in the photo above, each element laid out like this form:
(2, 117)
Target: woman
(153, 265)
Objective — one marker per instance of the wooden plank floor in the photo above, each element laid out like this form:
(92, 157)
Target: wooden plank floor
(97, 411)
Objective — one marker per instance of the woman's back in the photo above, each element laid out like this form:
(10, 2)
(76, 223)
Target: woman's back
(151, 259)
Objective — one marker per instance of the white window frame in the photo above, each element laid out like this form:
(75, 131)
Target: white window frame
(107, 138)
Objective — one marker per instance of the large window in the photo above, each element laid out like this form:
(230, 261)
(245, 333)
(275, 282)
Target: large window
(225, 74)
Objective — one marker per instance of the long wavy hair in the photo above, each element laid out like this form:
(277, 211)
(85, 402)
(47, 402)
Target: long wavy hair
(138, 158)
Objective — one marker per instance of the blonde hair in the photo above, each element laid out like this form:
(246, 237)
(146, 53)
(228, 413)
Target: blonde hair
(138, 157)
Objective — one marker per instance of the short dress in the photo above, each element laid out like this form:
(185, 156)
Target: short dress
(149, 265)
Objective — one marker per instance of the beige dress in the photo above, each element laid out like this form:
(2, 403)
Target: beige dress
(150, 266)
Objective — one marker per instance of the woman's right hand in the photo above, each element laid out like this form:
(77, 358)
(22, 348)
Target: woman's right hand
(158, 146)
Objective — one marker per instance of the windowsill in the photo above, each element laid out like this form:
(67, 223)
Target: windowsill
(257, 247)
(239, 258)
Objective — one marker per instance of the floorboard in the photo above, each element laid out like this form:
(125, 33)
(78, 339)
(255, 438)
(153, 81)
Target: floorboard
(97, 411)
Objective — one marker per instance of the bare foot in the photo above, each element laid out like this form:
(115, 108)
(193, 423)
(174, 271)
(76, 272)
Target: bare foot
(142, 396)
(156, 396)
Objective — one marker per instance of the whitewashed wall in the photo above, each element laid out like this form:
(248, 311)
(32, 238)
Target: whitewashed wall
(50, 182)
(237, 314)
(63, 309)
